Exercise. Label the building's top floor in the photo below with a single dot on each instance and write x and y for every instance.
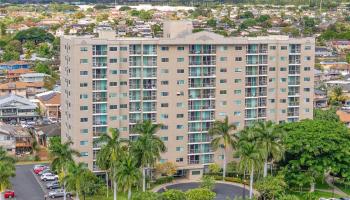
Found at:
(180, 33)
(12, 65)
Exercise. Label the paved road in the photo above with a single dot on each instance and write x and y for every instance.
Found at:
(222, 190)
(25, 185)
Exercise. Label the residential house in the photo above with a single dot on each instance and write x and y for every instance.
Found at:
(11, 65)
(13, 75)
(24, 89)
(344, 116)
(15, 139)
(32, 77)
(43, 133)
(14, 108)
(50, 103)
(320, 99)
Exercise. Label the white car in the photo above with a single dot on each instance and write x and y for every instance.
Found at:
(49, 177)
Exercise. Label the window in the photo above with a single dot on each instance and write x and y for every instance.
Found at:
(283, 80)
(179, 159)
(223, 48)
(164, 127)
(83, 119)
(283, 101)
(113, 84)
(238, 58)
(83, 96)
(113, 71)
(271, 89)
(83, 84)
(179, 126)
(283, 89)
(196, 172)
(237, 92)
(123, 48)
(307, 47)
(113, 107)
(223, 103)
(238, 80)
(165, 60)
(272, 69)
(84, 154)
(164, 94)
(83, 73)
(306, 79)
(164, 105)
(83, 107)
(306, 89)
(237, 113)
(180, 59)
(179, 138)
(113, 48)
(83, 49)
(307, 58)
(307, 100)
(222, 114)
(83, 61)
(164, 116)
(223, 70)
(272, 47)
(179, 105)
(238, 48)
(113, 60)
(283, 69)
(123, 71)
(238, 69)
(222, 59)
(179, 115)
(237, 102)
(84, 131)
(307, 110)
(123, 60)
(180, 82)
(113, 118)
(272, 100)
(223, 92)
(283, 58)
(164, 82)
(123, 106)
(180, 48)
(164, 71)
(180, 71)
(223, 81)
(164, 138)
(83, 143)
(284, 47)
(164, 48)
(179, 149)
(307, 68)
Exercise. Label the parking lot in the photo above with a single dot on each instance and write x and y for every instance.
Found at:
(27, 185)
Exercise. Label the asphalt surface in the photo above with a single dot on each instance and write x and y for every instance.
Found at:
(222, 190)
(25, 185)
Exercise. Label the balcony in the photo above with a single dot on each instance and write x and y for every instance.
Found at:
(99, 64)
(293, 82)
(200, 85)
(96, 122)
(99, 52)
(149, 86)
(135, 86)
(135, 52)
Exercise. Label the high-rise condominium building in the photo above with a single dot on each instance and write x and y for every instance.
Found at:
(184, 81)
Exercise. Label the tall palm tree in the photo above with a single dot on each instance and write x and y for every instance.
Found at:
(147, 147)
(109, 155)
(223, 136)
(62, 156)
(249, 153)
(7, 170)
(270, 139)
(128, 173)
(74, 177)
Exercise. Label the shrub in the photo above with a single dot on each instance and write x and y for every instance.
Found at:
(214, 168)
(208, 182)
(200, 194)
(271, 187)
(162, 180)
(173, 195)
(289, 197)
(145, 196)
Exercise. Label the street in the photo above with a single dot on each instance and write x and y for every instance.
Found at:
(25, 185)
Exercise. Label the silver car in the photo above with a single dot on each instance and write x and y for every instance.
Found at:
(58, 193)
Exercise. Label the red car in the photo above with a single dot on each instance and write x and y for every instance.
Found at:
(39, 169)
(9, 194)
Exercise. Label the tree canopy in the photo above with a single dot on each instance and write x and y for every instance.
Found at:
(35, 34)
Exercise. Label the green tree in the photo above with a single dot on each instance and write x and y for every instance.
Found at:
(128, 173)
(73, 178)
(223, 136)
(2, 29)
(248, 23)
(337, 96)
(7, 170)
(326, 115)
(211, 22)
(173, 195)
(249, 153)
(270, 140)
(44, 50)
(146, 196)
(110, 154)
(214, 168)
(62, 157)
(313, 148)
(271, 188)
(10, 55)
(200, 194)
(42, 67)
(147, 147)
(90, 184)
(208, 182)
(35, 34)
(246, 15)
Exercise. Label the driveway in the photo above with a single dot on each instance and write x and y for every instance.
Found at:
(25, 185)
(222, 190)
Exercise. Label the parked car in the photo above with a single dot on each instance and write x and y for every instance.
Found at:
(39, 169)
(53, 185)
(38, 166)
(58, 193)
(9, 194)
(45, 171)
(49, 177)
(345, 198)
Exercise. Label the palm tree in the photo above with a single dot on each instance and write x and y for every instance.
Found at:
(62, 156)
(110, 154)
(147, 147)
(7, 170)
(128, 173)
(222, 133)
(250, 155)
(270, 139)
(74, 176)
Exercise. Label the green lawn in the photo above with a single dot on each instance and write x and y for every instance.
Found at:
(343, 188)
(322, 185)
